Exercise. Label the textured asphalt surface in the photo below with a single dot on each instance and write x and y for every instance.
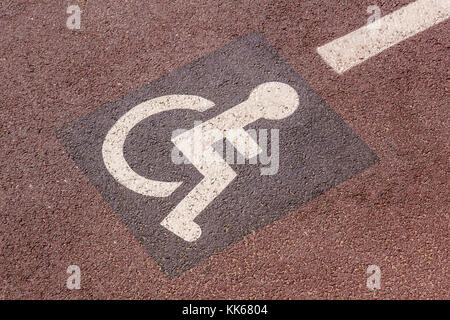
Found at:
(394, 214)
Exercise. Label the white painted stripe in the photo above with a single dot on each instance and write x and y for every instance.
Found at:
(354, 48)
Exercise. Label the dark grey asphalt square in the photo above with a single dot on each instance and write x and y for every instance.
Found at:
(317, 152)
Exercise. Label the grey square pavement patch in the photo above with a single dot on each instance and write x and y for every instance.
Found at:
(317, 151)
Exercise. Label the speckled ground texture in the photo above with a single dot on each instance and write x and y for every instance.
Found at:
(395, 214)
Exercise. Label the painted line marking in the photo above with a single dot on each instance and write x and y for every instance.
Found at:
(356, 47)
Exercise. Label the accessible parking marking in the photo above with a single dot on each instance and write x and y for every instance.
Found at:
(184, 212)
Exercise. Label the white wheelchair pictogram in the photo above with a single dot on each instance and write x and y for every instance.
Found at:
(270, 100)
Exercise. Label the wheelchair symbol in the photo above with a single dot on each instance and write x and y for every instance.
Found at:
(270, 100)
